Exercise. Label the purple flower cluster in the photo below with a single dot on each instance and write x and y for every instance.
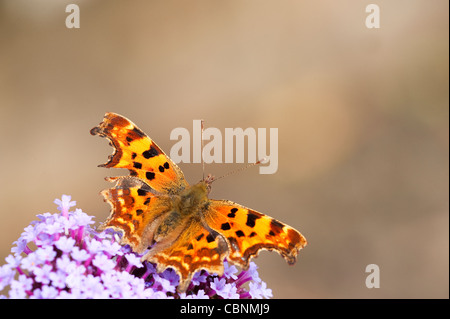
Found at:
(62, 256)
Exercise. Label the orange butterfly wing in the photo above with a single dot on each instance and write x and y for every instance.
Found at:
(133, 208)
(197, 247)
(134, 150)
(248, 232)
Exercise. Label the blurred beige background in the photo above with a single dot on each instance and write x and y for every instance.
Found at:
(362, 117)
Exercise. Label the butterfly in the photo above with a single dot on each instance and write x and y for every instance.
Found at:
(175, 224)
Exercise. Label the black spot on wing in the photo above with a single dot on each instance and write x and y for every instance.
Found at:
(210, 238)
(141, 192)
(152, 152)
(251, 219)
(138, 132)
(233, 212)
(240, 233)
(225, 226)
(139, 212)
(275, 227)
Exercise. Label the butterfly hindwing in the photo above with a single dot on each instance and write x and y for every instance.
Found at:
(134, 208)
(196, 248)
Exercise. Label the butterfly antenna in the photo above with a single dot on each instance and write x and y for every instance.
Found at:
(263, 160)
(203, 162)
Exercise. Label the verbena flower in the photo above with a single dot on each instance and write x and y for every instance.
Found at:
(62, 256)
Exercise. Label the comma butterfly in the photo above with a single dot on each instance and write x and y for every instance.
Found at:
(155, 209)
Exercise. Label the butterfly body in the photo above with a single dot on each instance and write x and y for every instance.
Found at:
(193, 199)
(175, 224)
(186, 207)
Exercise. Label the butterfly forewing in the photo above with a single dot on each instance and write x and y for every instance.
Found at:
(134, 150)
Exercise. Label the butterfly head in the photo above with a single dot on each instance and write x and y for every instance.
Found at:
(208, 180)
